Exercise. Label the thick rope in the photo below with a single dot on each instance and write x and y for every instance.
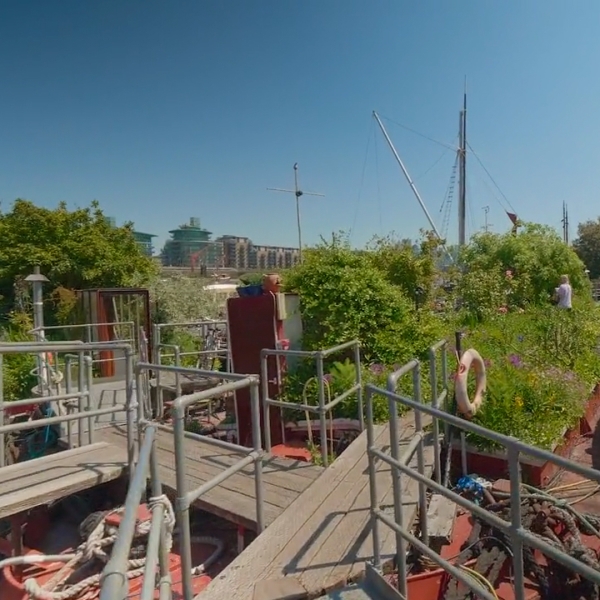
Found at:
(94, 547)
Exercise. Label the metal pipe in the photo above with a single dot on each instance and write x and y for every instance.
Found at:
(2, 408)
(114, 580)
(397, 494)
(60, 419)
(392, 380)
(283, 404)
(258, 457)
(203, 438)
(516, 542)
(89, 378)
(68, 389)
(182, 508)
(264, 383)
(459, 575)
(329, 351)
(322, 410)
(408, 451)
(505, 440)
(359, 392)
(152, 550)
(241, 381)
(434, 402)
(81, 387)
(163, 551)
(420, 455)
(187, 371)
(45, 399)
(372, 482)
(291, 353)
(130, 408)
(194, 494)
(342, 396)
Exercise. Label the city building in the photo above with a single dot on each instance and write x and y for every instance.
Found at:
(144, 240)
(241, 253)
(191, 246)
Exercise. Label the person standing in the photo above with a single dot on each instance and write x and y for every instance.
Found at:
(564, 293)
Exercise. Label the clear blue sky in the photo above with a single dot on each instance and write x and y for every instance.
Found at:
(165, 110)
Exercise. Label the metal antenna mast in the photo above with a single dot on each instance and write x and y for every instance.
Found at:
(462, 174)
(297, 192)
(486, 227)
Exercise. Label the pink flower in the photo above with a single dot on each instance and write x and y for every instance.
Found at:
(503, 310)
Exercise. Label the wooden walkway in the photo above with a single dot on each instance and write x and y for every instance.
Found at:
(35, 482)
(322, 541)
(283, 479)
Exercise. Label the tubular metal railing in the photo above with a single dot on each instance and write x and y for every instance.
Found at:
(112, 588)
(203, 328)
(83, 395)
(513, 529)
(323, 407)
(114, 584)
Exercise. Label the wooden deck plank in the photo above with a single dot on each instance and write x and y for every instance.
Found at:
(234, 499)
(42, 480)
(323, 539)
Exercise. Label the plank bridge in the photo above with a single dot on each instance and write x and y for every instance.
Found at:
(317, 519)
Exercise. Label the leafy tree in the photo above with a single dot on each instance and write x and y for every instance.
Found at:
(345, 295)
(587, 246)
(75, 249)
(535, 259)
(413, 271)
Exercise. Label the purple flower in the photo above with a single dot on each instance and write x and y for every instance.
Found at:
(376, 369)
(515, 360)
(487, 362)
(328, 378)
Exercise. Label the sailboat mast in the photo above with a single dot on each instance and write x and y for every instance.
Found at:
(462, 175)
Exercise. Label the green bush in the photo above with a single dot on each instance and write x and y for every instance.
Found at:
(18, 380)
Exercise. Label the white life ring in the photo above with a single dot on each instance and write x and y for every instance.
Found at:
(467, 407)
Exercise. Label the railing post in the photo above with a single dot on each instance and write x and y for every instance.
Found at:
(68, 390)
(182, 505)
(257, 443)
(397, 492)
(435, 422)
(81, 390)
(264, 382)
(131, 397)
(322, 412)
(372, 481)
(515, 516)
(359, 393)
(2, 435)
(420, 455)
(89, 376)
(177, 352)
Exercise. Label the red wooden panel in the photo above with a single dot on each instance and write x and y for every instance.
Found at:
(252, 327)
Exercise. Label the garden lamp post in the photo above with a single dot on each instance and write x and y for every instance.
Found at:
(37, 281)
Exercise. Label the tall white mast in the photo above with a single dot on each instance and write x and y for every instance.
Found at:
(462, 174)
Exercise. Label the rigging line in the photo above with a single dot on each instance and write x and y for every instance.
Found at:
(491, 178)
(492, 194)
(451, 181)
(433, 165)
(362, 178)
(444, 144)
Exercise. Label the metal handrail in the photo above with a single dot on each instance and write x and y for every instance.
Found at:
(114, 583)
(513, 528)
(323, 407)
(83, 394)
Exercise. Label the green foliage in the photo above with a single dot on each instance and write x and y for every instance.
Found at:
(541, 366)
(587, 246)
(75, 249)
(514, 271)
(18, 380)
(413, 272)
(346, 295)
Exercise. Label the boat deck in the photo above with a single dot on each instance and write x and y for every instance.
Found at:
(322, 541)
(35, 482)
(283, 479)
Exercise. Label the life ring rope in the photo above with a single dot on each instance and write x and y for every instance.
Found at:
(465, 405)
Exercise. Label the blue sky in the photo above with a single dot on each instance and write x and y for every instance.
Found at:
(166, 110)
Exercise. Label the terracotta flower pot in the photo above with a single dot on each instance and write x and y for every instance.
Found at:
(272, 283)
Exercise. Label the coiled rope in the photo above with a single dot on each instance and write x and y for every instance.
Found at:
(95, 547)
